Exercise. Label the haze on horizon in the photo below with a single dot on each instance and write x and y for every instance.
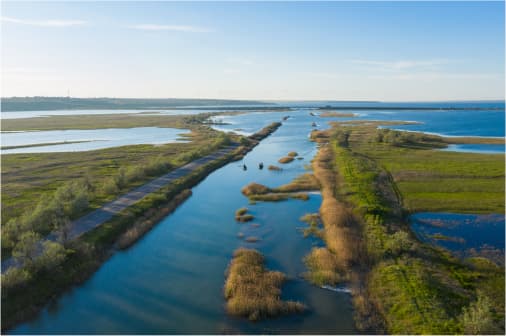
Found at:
(396, 51)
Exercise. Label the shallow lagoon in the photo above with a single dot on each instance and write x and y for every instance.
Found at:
(91, 139)
(464, 234)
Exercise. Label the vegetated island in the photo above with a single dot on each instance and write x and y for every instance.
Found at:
(60, 197)
(371, 180)
(254, 292)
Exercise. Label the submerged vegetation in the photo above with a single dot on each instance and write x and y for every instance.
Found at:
(254, 292)
(369, 180)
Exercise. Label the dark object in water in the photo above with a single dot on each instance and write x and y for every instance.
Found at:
(286, 118)
(314, 124)
(312, 114)
(244, 167)
(261, 166)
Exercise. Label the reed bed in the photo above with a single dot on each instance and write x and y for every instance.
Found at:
(285, 159)
(255, 189)
(254, 292)
(293, 154)
(323, 267)
(274, 168)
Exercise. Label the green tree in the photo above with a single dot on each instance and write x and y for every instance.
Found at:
(27, 248)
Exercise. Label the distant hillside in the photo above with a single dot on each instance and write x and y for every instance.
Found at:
(65, 103)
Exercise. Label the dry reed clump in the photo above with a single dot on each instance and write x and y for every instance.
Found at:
(254, 292)
(275, 168)
(285, 159)
(241, 211)
(255, 189)
(293, 154)
(323, 267)
(276, 197)
(319, 136)
(303, 182)
(144, 224)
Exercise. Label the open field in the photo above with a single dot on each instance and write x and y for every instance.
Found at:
(400, 284)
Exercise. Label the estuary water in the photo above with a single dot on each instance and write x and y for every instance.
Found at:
(172, 280)
(86, 140)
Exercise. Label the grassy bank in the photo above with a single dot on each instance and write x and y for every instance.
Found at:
(398, 283)
(26, 290)
(254, 292)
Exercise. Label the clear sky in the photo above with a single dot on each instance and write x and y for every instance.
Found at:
(389, 51)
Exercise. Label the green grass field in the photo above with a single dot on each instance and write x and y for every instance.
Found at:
(402, 285)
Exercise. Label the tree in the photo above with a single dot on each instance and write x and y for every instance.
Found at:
(27, 247)
(52, 255)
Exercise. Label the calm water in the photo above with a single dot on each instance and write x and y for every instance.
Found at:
(172, 280)
(93, 139)
(463, 234)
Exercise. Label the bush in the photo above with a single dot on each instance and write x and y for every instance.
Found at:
(15, 277)
(477, 318)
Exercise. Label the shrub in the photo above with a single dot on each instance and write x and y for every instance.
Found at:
(15, 277)
(477, 318)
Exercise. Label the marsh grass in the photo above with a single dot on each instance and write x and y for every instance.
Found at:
(292, 154)
(254, 292)
(244, 218)
(274, 168)
(277, 197)
(241, 211)
(314, 225)
(323, 267)
(258, 192)
(286, 159)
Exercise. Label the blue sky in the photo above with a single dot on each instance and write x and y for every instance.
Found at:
(389, 51)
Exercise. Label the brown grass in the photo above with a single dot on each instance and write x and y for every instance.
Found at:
(276, 197)
(285, 159)
(323, 267)
(275, 168)
(145, 223)
(254, 292)
(304, 182)
(241, 211)
(255, 189)
(293, 154)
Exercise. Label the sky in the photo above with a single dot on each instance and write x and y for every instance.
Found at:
(386, 51)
